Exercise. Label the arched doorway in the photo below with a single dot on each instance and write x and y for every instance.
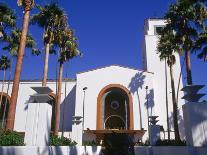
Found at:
(4, 108)
(115, 108)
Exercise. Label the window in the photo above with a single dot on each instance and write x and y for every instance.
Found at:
(158, 30)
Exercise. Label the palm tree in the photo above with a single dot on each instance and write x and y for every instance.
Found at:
(12, 41)
(166, 46)
(4, 65)
(27, 5)
(47, 16)
(7, 19)
(186, 18)
(68, 50)
(201, 46)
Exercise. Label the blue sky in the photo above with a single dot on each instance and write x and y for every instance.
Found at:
(109, 32)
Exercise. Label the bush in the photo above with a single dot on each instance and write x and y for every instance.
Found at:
(61, 141)
(170, 143)
(89, 143)
(11, 138)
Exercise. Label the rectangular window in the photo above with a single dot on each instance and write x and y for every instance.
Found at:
(158, 30)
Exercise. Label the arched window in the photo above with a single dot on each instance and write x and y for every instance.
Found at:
(4, 108)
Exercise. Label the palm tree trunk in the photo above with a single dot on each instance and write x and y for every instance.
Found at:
(188, 68)
(45, 70)
(2, 88)
(15, 88)
(166, 95)
(175, 117)
(58, 100)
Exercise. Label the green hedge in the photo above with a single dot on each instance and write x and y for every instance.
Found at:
(61, 141)
(11, 138)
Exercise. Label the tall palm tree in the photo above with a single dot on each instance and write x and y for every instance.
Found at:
(186, 18)
(27, 6)
(7, 19)
(46, 18)
(12, 41)
(68, 50)
(166, 46)
(4, 65)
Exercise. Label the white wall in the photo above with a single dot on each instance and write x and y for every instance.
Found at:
(50, 150)
(96, 80)
(152, 63)
(24, 95)
(169, 150)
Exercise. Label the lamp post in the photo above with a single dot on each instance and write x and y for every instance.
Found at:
(147, 111)
(84, 94)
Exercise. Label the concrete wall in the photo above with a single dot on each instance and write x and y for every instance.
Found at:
(152, 63)
(52, 150)
(96, 80)
(170, 150)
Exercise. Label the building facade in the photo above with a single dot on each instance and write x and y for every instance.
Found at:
(109, 99)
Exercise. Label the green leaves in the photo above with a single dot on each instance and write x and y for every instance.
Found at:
(27, 4)
(7, 19)
(5, 62)
(48, 18)
(11, 138)
(61, 141)
(68, 45)
(13, 40)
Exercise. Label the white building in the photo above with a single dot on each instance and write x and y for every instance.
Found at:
(110, 99)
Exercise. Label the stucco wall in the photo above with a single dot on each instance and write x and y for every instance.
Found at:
(50, 150)
(96, 80)
(152, 63)
(170, 150)
(24, 95)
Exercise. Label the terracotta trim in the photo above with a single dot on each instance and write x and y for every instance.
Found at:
(6, 95)
(99, 106)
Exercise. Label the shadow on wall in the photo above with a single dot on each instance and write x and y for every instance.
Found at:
(135, 84)
(149, 104)
(7, 150)
(180, 123)
(67, 108)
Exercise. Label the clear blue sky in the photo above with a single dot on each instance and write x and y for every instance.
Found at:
(109, 32)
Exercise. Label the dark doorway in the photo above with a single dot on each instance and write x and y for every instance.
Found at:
(118, 144)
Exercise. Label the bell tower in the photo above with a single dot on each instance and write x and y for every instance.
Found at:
(151, 62)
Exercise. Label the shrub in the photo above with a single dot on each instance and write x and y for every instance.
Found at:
(170, 143)
(61, 141)
(11, 138)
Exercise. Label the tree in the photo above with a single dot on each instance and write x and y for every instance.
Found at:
(201, 46)
(7, 19)
(12, 42)
(46, 18)
(4, 65)
(68, 50)
(27, 6)
(166, 46)
(186, 18)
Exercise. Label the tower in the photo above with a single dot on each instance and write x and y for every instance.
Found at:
(152, 63)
